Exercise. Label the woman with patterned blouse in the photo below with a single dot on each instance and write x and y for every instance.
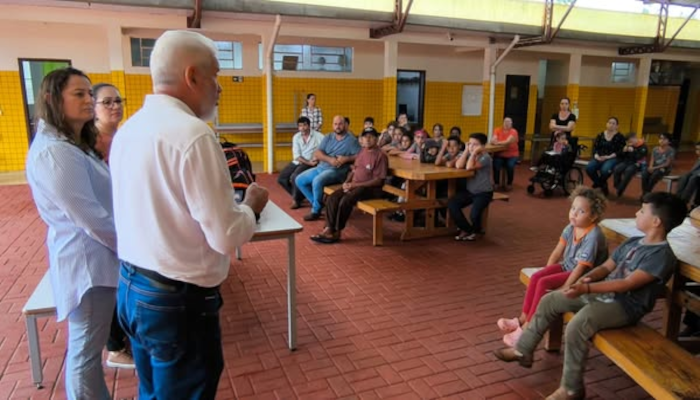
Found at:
(312, 112)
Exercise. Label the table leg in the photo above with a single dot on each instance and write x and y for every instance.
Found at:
(239, 253)
(34, 351)
(672, 316)
(408, 221)
(552, 339)
(431, 194)
(291, 293)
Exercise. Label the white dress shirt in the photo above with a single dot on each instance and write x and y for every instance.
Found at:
(173, 204)
(73, 194)
(300, 148)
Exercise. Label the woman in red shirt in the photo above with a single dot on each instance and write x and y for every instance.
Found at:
(505, 135)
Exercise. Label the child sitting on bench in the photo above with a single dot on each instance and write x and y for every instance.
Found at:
(581, 246)
(478, 191)
(364, 181)
(643, 265)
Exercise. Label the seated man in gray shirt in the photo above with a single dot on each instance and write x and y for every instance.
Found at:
(642, 266)
(335, 155)
(479, 190)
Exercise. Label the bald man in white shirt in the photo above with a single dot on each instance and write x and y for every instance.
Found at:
(177, 223)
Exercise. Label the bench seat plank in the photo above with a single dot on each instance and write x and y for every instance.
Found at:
(41, 301)
(328, 190)
(377, 208)
(661, 367)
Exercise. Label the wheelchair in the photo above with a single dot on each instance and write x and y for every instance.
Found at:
(558, 171)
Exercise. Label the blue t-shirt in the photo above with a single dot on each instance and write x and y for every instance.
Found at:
(347, 146)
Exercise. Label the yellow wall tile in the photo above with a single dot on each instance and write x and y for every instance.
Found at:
(14, 141)
(241, 102)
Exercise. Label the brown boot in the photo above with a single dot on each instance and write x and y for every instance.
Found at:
(562, 394)
(509, 355)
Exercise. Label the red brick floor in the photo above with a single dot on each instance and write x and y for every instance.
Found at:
(412, 320)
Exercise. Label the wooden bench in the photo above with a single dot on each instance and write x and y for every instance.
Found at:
(669, 179)
(377, 208)
(40, 304)
(328, 190)
(658, 365)
(497, 196)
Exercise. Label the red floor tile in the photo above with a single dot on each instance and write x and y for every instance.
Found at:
(407, 320)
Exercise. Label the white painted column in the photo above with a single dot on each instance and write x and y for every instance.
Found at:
(488, 88)
(574, 82)
(391, 61)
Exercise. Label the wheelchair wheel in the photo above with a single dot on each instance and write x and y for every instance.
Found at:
(531, 189)
(573, 178)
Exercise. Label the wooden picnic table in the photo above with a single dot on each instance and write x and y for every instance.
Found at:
(419, 175)
(685, 242)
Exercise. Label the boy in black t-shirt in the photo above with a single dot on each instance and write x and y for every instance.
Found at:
(641, 266)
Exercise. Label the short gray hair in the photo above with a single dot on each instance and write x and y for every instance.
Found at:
(174, 50)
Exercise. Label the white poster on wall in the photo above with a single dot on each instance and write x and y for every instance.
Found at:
(472, 96)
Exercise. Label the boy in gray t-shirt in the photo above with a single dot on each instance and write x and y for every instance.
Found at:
(479, 190)
(644, 265)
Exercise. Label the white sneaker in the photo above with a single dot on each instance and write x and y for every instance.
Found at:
(120, 359)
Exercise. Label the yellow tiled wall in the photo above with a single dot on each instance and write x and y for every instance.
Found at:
(596, 104)
(240, 102)
(137, 86)
(243, 102)
(443, 104)
(353, 98)
(14, 141)
(662, 101)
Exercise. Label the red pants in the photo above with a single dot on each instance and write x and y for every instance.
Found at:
(548, 278)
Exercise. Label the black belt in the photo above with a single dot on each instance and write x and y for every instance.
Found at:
(170, 283)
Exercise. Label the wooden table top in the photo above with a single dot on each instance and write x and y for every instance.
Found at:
(417, 171)
(684, 240)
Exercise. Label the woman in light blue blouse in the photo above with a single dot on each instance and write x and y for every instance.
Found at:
(72, 190)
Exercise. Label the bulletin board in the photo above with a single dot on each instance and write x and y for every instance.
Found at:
(472, 96)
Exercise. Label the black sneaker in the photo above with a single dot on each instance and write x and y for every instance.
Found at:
(312, 216)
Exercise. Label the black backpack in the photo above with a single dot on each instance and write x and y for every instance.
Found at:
(240, 168)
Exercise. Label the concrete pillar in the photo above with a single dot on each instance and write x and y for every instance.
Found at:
(490, 56)
(640, 95)
(115, 47)
(574, 81)
(268, 166)
(391, 56)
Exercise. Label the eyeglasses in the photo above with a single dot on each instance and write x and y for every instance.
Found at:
(108, 102)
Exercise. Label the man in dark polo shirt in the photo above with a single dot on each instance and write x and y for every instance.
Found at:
(364, 182)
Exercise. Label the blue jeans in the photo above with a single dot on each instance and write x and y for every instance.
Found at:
(174, 332)
(88, 329)
(599, 172)
(509, 163)
(312, 181)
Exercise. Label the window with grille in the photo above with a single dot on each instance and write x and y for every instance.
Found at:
(297, 57)
(622, 72)
(141, 49)
(229, 54)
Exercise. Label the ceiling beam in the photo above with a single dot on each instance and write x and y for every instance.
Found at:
(195, 21)
(548, 34)
(397, 25)
(660, 43)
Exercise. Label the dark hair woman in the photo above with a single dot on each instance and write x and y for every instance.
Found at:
(72, 190)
